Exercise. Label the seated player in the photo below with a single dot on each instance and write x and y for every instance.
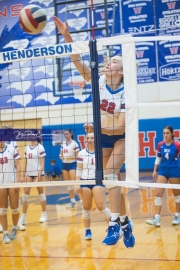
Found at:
(167, 160)
(34, 172)
(86, 171)
(9, 159)
(55, 171)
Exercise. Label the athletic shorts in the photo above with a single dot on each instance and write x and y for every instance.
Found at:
(33, 177)
(90, 186)
(69, 166)
(169, 172)
(109, 141)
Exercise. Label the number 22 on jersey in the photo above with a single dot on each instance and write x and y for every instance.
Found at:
(107, 106)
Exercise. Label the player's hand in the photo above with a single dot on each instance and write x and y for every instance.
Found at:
(88, 127)
(154, 175)
(78, 189)
(62, 27)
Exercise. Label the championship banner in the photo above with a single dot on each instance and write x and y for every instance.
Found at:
(168, 17)
(146, 59)
(169, 60)
(138, 17)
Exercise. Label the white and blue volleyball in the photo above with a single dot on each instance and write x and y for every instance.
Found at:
(32, 19)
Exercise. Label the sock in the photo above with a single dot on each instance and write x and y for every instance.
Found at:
(15, 227)
(122, 218)
(114, 216)
(5, 232)
(24, 215)
(157, 216)
(125, 222)
(44, 213)
(81, 201)
(177, 214)
(87, 229)
(73, 200)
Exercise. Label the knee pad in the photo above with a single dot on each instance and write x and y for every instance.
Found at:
(42, 197)
(111, 177)
(15, 211)
(25, 197)
(70, 188)
(106, 213)
(3, 211)
(158, 201)
(177, 199)
(86, 214)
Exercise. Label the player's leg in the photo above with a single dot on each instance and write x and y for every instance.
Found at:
(86, 195)
(42, 198)
(113, 166)
(99, 194)
(72, 174)
(25, 198)
(70, 188)
(176, 193)
(3, 214)
(156, 221)
(14, 203)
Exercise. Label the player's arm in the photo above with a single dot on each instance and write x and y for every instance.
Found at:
(41, 168)
(117, 130)
(157, 162)
(61, 154)
(83, 69)
(18, 170)
(79, 170)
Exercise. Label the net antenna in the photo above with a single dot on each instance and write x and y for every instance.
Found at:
(96, 102)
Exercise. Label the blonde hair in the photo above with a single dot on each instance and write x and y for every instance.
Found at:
(104, 63)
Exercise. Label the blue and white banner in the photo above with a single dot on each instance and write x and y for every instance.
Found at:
(169, 60)
(138, 17)
(146, 59)
(168, 17)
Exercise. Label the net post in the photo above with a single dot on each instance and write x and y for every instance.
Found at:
(96, 111)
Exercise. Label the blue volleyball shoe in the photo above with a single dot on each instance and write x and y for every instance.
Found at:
(114, 233)
(128, 237)
(88, 235)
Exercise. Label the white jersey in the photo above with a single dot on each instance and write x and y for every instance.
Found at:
(69, 150)
(88, 160)
(7, 165)
(12, 144)
(33, 155)
(111, 103)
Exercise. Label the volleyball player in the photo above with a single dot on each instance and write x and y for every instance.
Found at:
(68, 154)
(168, 151)
(86, 171)
(34, 172)
(113, 137)
(9, 160)
(12, 144)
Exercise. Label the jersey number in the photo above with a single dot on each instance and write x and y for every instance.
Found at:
(167, 155)
(92, 161)
(3, 160)
(108, 106)
(65, 150)
(30, 155)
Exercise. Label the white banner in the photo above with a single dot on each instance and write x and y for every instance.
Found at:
(47, 51)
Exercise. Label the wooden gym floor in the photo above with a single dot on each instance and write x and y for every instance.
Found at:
(59, 244)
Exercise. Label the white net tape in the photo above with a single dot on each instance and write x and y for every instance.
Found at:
(131, 93)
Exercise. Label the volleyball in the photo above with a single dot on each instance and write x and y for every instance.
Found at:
(32, 19)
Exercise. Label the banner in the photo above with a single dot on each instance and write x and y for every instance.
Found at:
(168, 17)
(138, 17)
(169, 60)
(146, 59)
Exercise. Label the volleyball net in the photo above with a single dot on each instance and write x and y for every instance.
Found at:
(45, 91)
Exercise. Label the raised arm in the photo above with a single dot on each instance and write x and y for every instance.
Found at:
(83, 69)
